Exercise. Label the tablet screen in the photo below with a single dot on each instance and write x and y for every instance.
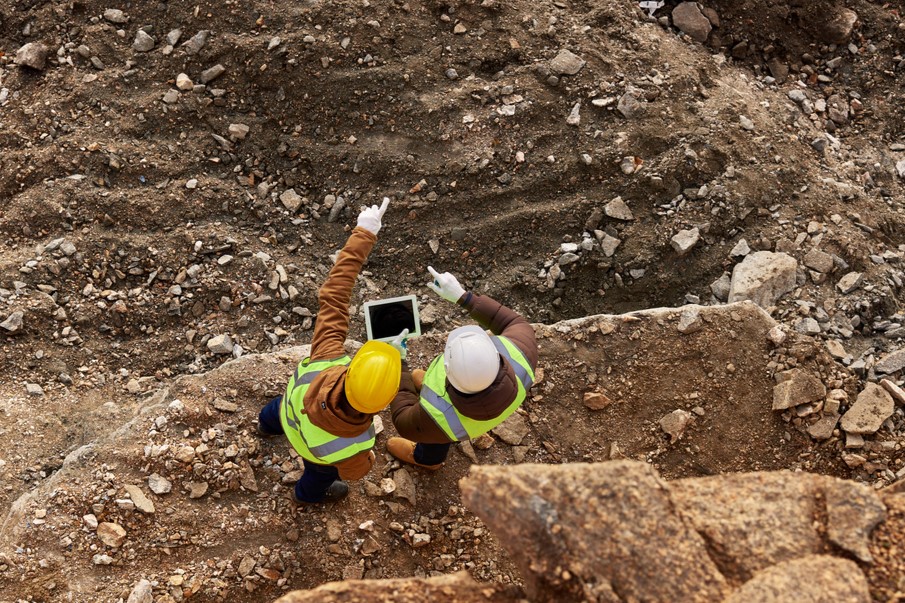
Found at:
(385, 319)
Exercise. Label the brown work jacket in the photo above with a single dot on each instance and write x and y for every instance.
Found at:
(325, 401)
(415, 423)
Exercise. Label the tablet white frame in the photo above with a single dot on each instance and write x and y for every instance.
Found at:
(381, 302)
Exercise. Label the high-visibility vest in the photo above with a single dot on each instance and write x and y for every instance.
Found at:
(309, 440)
(436, 401)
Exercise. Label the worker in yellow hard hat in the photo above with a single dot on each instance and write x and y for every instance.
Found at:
(328, 408)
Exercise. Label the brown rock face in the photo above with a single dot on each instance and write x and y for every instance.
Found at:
(616, 532)
(813, 579)
(457, 587)
(853, 511)
(588, 532)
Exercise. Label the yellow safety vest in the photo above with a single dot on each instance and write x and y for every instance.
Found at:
(436, 402)
(309, 440)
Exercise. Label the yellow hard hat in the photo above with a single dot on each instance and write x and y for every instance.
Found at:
(372, 378)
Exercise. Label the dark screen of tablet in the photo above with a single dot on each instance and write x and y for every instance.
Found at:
(388, 320)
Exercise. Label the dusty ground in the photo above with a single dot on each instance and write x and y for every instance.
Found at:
(174, 231)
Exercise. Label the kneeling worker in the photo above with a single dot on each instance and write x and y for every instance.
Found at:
(328, 408)
(474, 386)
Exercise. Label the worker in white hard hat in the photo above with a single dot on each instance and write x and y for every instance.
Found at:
(477, 383)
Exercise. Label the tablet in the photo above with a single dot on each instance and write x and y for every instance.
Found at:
(386, 318)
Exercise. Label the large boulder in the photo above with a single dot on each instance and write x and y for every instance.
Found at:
(587, 532)
(763, 277)
(756, 520)
(615, 531)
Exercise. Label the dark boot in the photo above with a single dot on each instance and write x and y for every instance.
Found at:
(337, 491)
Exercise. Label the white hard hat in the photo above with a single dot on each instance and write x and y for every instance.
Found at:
(471, 360)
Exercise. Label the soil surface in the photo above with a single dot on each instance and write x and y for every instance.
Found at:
(150, 203)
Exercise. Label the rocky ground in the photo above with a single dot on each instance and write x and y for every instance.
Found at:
(176, 176)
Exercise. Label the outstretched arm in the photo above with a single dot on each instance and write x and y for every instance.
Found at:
(488, 312)
(336, 292)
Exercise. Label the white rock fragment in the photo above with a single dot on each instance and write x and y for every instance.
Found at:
(184, 83)
(849, 282)
(33, 55)
(116, 16)
(209, 75)
(685, 240)
(220, 344)
(141, 502)
(159, 485)
(142, 593)
(291, 200)
(688, 17)
(690, 320)
(566, 63)
(777, 335)
(618, 210)
(763, 277)
(873, 406)
(143, 42)
(674, 424)
(238, 131)
(13, 323)
(609, 244)
(574, 117)
(629, 106)
(740, 250)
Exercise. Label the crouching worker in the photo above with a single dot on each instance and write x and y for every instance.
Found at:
(328, 408)
(474, 386)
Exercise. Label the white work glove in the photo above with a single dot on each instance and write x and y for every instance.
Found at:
(370, 217)
(446, 286)
(400, 344)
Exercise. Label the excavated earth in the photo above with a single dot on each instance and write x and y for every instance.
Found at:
(153, 202)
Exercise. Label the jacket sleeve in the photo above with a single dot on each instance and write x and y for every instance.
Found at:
(335, 294)
(355, 467)
(410, 419)
(493, 315)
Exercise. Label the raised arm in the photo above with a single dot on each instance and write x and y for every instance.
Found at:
(335, 294)
(488, 312)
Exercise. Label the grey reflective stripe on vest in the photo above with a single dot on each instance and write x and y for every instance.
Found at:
(291, 418)
(449, 413)
(519, 370)
(305, 379)
(337, 445)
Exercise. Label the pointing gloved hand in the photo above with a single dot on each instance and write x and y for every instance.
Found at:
(446, 286)
(370, 217)
(399, 342)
